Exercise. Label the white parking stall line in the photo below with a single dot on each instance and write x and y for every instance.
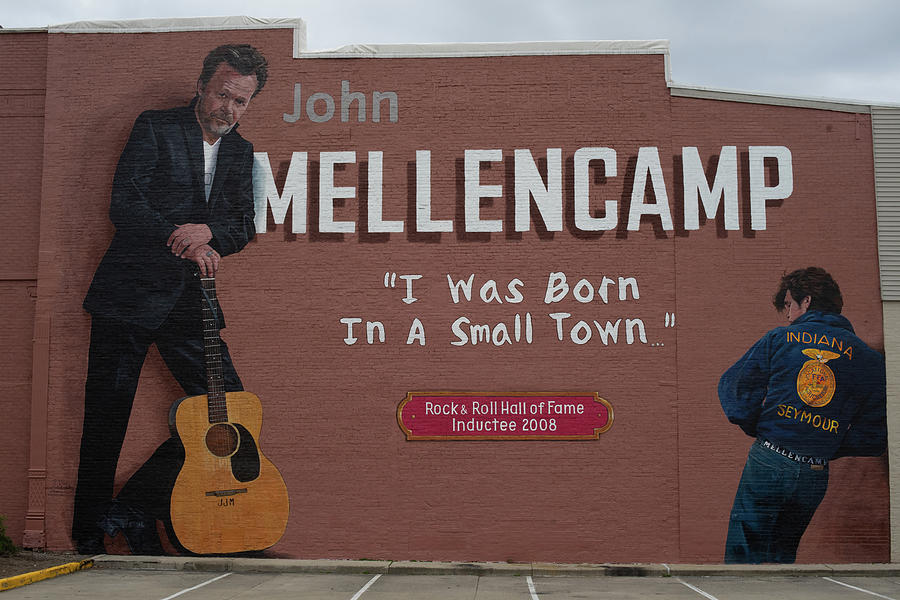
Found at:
(531, 589)
(696, 589)
(191, 589)
(365, 587)
(858, 589)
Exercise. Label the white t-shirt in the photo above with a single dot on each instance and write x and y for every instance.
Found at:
(210, 154)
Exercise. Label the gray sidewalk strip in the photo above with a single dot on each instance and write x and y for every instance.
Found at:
(537, 569)
(707, 570)
(458, 568)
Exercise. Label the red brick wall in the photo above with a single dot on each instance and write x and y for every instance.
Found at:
(724, 289)
(658, 485)
(23, 71)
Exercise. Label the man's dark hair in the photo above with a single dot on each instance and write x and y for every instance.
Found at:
(815, 282)
(243, 58)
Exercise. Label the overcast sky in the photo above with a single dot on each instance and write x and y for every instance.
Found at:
(841, 49)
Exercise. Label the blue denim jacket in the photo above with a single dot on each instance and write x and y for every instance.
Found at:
(812, 387)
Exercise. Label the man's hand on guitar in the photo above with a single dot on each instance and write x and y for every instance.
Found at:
(206, 259)
(187, 237)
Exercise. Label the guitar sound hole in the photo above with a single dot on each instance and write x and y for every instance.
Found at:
(222, 439)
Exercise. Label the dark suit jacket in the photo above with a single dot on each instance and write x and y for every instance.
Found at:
(158, 184)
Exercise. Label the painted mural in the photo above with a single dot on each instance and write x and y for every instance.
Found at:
(479, 305)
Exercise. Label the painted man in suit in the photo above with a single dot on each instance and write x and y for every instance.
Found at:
(182, 198)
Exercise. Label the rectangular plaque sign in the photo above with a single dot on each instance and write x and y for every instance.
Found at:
(503, 416)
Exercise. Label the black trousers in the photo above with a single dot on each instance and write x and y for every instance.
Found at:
(116, 356)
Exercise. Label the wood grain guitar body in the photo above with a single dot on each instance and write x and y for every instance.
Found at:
(228, 496)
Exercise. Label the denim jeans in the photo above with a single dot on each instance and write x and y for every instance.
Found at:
(774, 503)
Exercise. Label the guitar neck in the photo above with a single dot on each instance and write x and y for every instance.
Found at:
(215, 381)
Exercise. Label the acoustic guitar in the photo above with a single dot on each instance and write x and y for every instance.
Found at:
(228, 497)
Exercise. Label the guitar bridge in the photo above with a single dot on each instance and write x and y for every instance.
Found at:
(227, 492)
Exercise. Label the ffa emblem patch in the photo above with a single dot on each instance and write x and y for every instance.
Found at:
(815, 382)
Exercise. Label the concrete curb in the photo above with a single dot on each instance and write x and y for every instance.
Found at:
(15, 581)
(384, 567)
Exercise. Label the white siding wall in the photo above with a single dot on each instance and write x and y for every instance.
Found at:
(886, 134)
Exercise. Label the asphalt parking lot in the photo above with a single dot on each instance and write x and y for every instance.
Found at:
(150, 579)
(167, 585)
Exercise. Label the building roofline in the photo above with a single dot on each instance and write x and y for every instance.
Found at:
(179, 24)
(821, 103)
(452, 50)
(490, 49)
(477, 49)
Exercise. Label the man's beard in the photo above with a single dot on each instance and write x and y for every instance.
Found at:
(219, 127)
(212, 123)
